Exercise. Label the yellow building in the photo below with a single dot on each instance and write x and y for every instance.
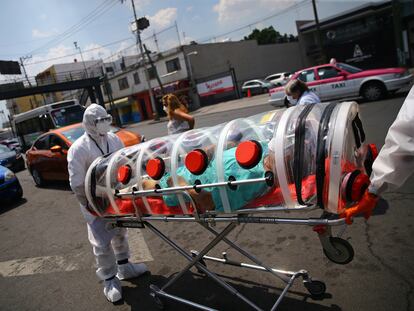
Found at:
(23, 104)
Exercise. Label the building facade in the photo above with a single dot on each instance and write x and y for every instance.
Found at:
(369, 36)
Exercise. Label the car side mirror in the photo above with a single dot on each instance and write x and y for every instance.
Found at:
(343, 74)
(56, 149)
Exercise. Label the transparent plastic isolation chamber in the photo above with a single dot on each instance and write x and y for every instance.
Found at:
(304, 156)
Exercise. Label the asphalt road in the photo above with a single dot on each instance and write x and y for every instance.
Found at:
(46, 262)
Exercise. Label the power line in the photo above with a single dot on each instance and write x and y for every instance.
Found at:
(294, 6)
(101, 9)
(105, 45)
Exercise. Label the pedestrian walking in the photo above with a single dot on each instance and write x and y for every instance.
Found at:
(179, 118)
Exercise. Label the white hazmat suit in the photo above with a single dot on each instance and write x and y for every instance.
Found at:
(109, 245)
(395, 162)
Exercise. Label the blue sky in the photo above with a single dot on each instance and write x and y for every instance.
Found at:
(35, 27)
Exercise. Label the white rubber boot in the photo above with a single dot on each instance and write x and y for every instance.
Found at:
(113, 290)
(131, 270)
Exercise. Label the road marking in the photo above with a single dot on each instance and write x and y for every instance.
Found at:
(36, 265)
(138, 247)
(49, 264)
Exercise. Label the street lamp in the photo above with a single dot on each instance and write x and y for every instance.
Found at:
(80, 51)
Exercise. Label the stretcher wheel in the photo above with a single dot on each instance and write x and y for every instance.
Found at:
(344, 251)
(315, 287)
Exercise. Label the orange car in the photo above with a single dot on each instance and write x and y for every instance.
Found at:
(46, 159)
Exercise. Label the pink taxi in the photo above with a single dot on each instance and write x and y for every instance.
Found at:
(342, 80)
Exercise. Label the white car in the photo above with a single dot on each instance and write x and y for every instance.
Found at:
(341, 81)
(278, 79)
(256, 86)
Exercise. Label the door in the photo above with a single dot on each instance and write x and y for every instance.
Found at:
(39, 155)
(334, 84)
(58, 160)
(309, 77)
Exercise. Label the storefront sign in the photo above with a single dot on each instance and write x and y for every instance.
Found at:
(215, 86)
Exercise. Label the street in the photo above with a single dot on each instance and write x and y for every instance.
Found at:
(46, 261)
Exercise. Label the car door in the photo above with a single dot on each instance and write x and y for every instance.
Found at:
(310, 78)
(334, 83)
(58, 160)
(38, 156)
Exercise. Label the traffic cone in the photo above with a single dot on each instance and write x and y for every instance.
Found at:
(249, 93)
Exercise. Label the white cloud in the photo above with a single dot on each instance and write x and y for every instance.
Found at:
(230, 10)
(36, 33)
(163, 18)
(189, 8)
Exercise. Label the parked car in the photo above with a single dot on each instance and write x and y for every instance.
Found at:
(12, 144)
(278, 79)
(256, 86)
(10, 188)
(11, 159)
(47, 157)
(340, 80)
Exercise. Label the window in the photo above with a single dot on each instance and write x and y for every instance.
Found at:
(56, 141)
(173, 65)
(42, 143)
(123, 83)
(67, 116)
(109, 69)
(327, 72)
(107, 88)
(152, 73)
(307, 76)
(348, 68)
(136, 78)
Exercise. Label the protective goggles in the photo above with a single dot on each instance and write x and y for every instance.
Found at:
(107, 119)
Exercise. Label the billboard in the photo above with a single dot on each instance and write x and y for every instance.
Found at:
(9, 67)
(216, 86)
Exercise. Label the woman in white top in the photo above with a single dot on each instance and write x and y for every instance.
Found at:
(180, 120)
(298, 93)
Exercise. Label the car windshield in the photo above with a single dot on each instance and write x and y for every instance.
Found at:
(68, 115)
(4, 149)
(348, 68)
(74, 133)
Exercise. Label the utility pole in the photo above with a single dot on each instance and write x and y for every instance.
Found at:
(145, 24)
(83, 62)
(318, 31)
(22, 59)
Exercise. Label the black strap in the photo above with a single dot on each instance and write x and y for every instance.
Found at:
(358, 130)
(300, 132)
(321, 152)
(100, 149)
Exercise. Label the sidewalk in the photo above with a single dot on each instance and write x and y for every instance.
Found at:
(217, 108)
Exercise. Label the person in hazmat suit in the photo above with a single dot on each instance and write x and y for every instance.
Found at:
(110, 246)
(395, 162)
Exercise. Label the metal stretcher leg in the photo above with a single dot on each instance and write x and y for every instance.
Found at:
(288, 276)
(194, 261)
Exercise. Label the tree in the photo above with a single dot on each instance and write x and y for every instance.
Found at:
(269, 36)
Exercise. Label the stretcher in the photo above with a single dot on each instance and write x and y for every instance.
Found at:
(301, 159)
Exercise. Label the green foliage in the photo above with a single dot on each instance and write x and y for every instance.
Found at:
(269, 36)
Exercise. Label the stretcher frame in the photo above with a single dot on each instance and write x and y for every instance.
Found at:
(208, 221)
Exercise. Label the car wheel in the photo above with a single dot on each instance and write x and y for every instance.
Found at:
(19, 194)
(373, 91)
(37, 178)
